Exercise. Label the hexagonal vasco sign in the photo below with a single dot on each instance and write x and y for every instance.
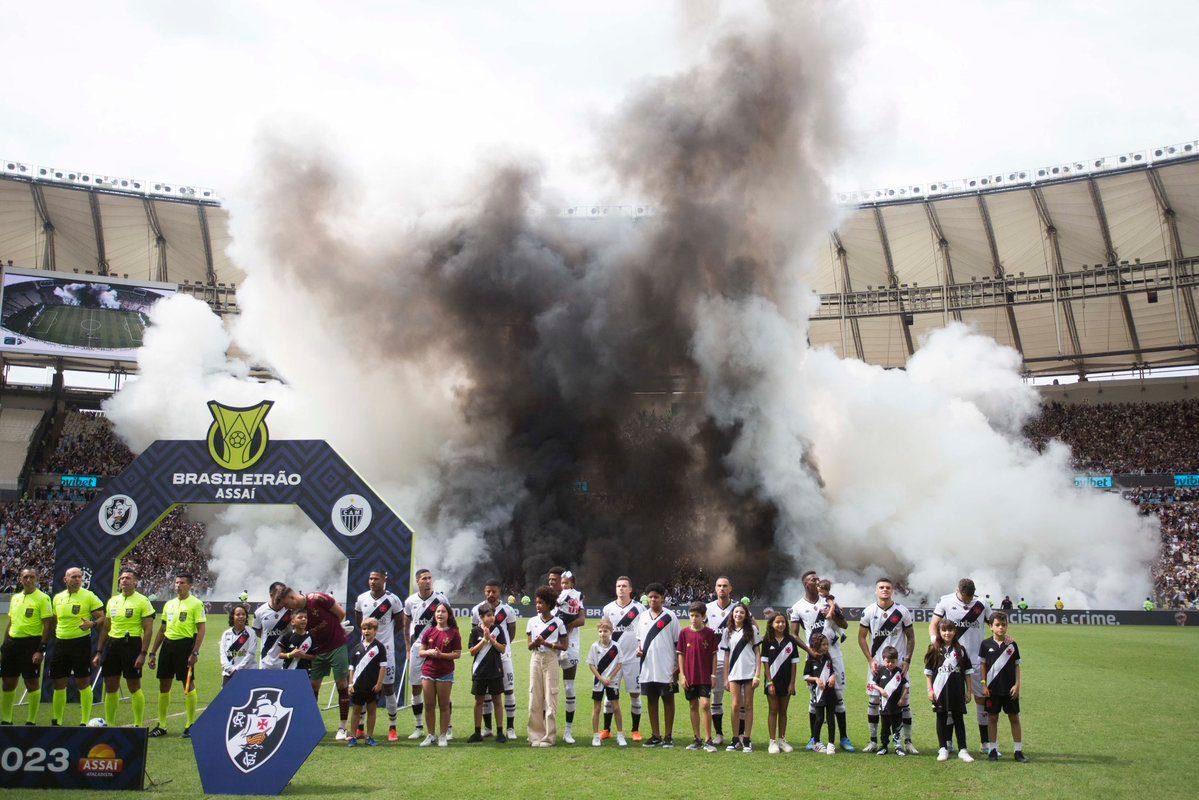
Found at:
(257, 733)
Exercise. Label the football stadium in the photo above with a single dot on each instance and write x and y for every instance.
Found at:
(736, 476)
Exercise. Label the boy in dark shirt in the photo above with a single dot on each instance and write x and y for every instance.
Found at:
(367, 662)
(999, 659)
(889, 680)
(696, 649)
(487, 671)
(295, 646)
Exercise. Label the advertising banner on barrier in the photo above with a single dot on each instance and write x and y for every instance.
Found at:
(91, 759)
(257, 733)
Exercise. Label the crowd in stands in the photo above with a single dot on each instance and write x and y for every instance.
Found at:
(88, 445)
(28, 529)
(1176, 575)
(1124, 438)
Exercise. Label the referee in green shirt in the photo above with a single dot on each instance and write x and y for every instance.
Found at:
(30, 620)
(183, 624)
(76, 612)
(129, 624)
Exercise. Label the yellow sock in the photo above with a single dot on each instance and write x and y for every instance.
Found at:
(164, 703)
(139, 708)
(58, 705)
(189, 701)
(111, 699)
(35, 704)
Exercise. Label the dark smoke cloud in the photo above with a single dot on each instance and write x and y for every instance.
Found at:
(559, 326)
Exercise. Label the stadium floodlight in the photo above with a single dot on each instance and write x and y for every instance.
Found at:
(16, 168)
(1172, 151)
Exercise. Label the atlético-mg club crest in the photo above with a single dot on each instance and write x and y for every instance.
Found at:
(257, 728)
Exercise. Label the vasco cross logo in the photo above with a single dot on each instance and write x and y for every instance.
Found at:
(256, 729)
(238, 437)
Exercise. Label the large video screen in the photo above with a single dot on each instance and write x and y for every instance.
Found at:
(57, 314)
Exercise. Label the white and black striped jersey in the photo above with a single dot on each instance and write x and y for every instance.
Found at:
(970, 618)
(813, 618)
(821, 667)
(383, 609)
(505, 615)
(420, 612)
(1000, 659)
(570, 608)
(887, 627)
(781, 657)
(740, 653)
(270, 624)
(239, 650)
(365, 662)
(296, 641)
(552, 630)
(625, 621)
(605, 658)
(718, 619)
(657, 637)
(891, 686)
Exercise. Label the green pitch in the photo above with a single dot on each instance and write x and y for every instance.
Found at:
(1107, 712)
(97, 328)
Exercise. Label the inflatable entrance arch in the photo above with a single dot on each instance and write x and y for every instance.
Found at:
(238, 464)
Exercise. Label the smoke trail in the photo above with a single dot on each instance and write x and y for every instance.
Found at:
(486, 363)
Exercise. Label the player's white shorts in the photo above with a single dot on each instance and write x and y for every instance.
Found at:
(722, 676)
(838, 659)
(976, 683)
(509, 673)
(389, 671)
(415, 662)
(569, 657)
(630, 675)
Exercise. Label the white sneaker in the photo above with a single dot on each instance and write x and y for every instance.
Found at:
(341, 735)
(718, 740)
(785, 746)
(443, 741)
(964, 755)
(596, 741)
(429, 741)
(567, 736)
(942, 754)
(487, 732)
(419, 733)
(828, 751)
(449, 733)
(910, 748)
(774, 747)
(871, 747)
(510, 733)
(621, 741)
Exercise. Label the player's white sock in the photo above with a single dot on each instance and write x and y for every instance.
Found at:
(392, 707)
(1018, 746)
(570, 697)
(509, 708)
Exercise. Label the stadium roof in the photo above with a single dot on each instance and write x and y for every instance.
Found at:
(68, 220)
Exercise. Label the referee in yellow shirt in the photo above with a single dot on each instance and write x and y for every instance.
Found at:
(76, 612)
(128, 627)
(183, 624)
(30, 620)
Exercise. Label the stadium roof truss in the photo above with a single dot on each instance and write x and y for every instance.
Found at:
(68, 221)
(1081, 268)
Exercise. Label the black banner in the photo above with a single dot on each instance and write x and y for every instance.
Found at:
(33, 757)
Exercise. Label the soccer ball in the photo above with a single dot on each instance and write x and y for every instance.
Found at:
(97, 722)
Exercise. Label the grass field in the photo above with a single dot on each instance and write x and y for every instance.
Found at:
(98, 328)
(1108, 713)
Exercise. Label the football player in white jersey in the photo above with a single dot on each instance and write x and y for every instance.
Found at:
(505, 629)
(272, 619)
(625, 614)
(570, 609)
(720, 611)
(416, 619)
(815, 614)
(886, 623)
(382, 606)
(657, 638)
(970, 615)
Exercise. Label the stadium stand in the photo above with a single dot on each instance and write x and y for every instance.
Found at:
(18, 429)
(1124, 438)
(88, 445)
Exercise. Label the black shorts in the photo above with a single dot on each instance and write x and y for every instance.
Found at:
(120, 659)
(172, 659)
(71, 657)
(1003, 703)
(781, 688)
(361, 697)
(655, 690)
(697, 690)
(598, 691)
(493, 686)
(16, 657)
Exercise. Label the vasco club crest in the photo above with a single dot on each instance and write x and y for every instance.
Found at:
(238, 437)
(256, 729)
(118, 514)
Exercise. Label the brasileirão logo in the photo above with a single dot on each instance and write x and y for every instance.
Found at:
(238, 437)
